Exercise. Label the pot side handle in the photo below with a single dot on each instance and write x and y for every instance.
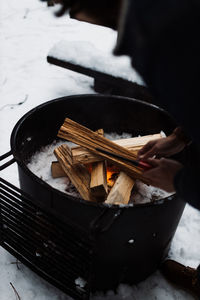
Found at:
(8, 163)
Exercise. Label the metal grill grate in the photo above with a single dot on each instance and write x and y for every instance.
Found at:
(59, 252)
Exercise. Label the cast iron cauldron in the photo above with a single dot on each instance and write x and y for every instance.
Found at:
(129, 242)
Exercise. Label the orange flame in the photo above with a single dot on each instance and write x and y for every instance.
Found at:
(112, 172)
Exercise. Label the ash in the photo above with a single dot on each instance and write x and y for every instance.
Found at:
(40, 165)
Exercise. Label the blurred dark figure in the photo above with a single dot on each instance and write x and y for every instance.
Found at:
(105, 13)
(162, 39)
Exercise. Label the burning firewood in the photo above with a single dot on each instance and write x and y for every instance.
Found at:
(78, 174)
(98, 183)
(87, 138)
(121, 191)
(98, 167)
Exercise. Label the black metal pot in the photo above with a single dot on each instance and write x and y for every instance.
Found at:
(103, 245)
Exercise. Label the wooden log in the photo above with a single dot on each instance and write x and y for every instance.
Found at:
(121, 191)
(83, 136)
(57, 170)
(78, 174)
(84, 156)
(98, 183)
(135, 143)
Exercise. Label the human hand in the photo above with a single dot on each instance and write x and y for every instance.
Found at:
(163, 173)
(163, 147)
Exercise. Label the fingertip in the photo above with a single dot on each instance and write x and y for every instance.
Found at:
(140, 157)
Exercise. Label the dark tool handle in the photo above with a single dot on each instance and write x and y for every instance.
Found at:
(137, 163)
(8, 163)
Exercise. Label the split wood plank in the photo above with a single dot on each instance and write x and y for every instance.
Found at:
(121, 190)
(78, 174)
(84, 156)
(57, 170)
(83, 136)
(98, 183)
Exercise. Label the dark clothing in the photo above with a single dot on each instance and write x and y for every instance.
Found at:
(163, 40)
(198, 273)
(187, 179)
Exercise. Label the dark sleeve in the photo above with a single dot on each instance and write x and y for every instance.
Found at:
(162, 39)
(187, 186)
(187, 180)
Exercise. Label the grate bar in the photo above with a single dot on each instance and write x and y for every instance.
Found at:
(56, 275)
(46, 276)
(31, 239)
(33, 221)
(58, 251)
(23, 213)
(43, 262)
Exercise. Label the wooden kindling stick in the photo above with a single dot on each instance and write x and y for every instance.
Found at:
(78, 174)
(121, 190)
(98, 183)
(81, 135)
(85, 156)
(56, 170)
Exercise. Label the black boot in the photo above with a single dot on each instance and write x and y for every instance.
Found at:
(184, 277)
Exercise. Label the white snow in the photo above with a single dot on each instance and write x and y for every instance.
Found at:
(92, 57)
(80, 282)
(28, 31)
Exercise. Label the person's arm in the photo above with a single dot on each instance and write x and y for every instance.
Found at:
(171, 175)
(186, 183)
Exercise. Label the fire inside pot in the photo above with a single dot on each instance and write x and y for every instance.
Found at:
(85, 173)
(112, 174)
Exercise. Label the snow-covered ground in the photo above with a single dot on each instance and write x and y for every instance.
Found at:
(28, 30)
